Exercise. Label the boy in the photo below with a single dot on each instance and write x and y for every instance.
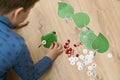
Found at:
(13, 50)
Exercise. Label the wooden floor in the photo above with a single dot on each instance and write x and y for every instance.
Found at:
(105, 18)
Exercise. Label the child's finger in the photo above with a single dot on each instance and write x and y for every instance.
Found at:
(55, 45)
(51, 47)
(61, 51)
(60, 46)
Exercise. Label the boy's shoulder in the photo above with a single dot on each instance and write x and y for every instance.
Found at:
(11, 41)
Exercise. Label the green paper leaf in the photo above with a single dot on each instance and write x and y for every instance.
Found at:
(81, 19)
(49, 38)
(87, 37)
(100, 44)
(65, 10)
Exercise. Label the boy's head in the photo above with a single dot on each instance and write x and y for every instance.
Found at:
(16, 10)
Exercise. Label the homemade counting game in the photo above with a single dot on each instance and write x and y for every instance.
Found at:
(92, 43)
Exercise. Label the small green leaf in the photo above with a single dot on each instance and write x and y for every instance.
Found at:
(87, 37)
(65, 10)
(100, 44)
(49, 38)
(81, 19)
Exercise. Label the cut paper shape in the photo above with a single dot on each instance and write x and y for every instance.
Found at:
(49, 38)
(109, 55)
(89, 73)
(85, 51)
(87, 37)
(43, 42)
(81, 19)
(65, 10)
(100, 44)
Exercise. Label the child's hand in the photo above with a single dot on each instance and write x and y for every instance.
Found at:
(55, 50)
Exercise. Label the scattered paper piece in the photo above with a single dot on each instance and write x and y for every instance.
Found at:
(109, 55)
(85, 51)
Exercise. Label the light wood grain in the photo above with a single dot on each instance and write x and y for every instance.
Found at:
(105, 18)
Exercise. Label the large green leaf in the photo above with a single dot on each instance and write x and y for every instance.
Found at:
(87, 37)
(49, 38)
(65, 10)
(100, 44)
(81, 19)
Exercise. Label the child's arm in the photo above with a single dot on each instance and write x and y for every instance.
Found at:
(27, 70)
